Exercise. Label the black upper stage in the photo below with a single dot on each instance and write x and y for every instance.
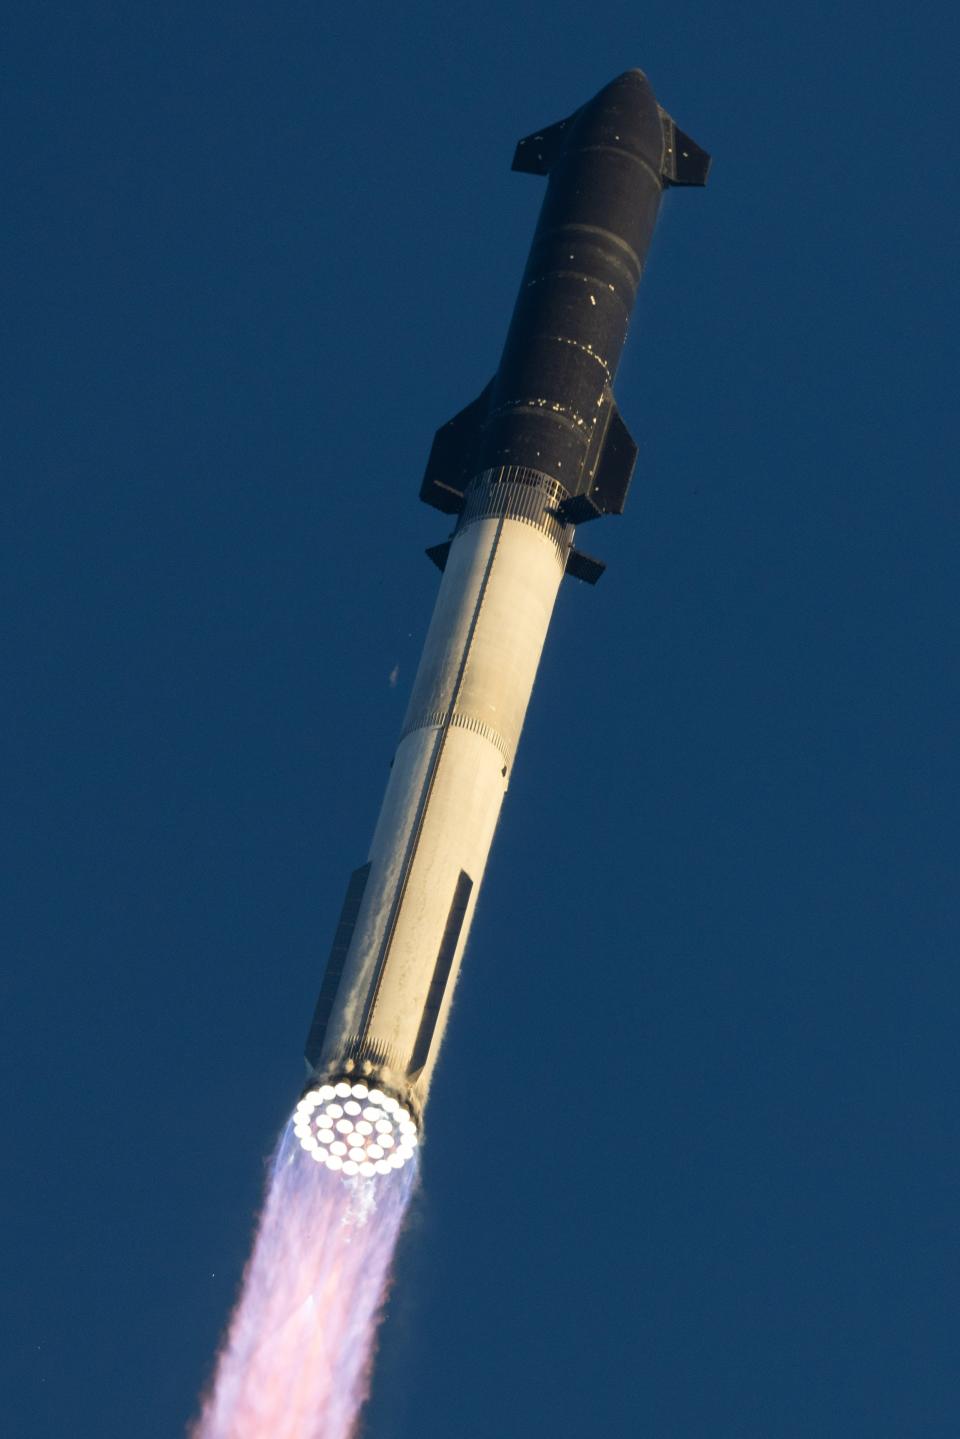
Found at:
(550, 407)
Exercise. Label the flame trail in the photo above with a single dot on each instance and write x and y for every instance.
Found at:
(297, 1357)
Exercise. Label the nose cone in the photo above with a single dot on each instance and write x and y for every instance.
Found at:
(623, 116)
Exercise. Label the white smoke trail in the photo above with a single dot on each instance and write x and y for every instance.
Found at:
(297, 1357)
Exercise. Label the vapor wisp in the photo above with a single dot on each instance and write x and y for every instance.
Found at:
(296, 1360)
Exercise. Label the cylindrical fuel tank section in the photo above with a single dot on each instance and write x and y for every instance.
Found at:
(387, 993)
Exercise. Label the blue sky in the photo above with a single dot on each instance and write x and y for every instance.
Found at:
(692, 1158)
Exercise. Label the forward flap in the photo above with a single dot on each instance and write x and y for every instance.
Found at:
(536, 153)
(684, 162)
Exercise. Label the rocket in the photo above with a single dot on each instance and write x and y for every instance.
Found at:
(540, 452)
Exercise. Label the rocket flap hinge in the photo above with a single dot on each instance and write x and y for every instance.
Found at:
(536, 153)
(684, 163)
(438, 554)
(584, 567)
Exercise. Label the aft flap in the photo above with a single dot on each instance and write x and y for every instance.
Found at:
(536, 153)
(614, 471)
(448, 468)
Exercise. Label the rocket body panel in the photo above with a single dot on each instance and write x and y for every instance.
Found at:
(543, 448)
(486, 636)
(455, 839)
(443, 800)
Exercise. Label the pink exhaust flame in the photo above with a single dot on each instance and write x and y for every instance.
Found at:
(297, 1357)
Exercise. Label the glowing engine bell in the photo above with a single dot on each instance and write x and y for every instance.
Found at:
(355, 1129)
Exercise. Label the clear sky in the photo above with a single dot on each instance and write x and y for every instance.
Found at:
(692, 1163)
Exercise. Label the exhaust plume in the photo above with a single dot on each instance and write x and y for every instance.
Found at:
(297, 1356)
